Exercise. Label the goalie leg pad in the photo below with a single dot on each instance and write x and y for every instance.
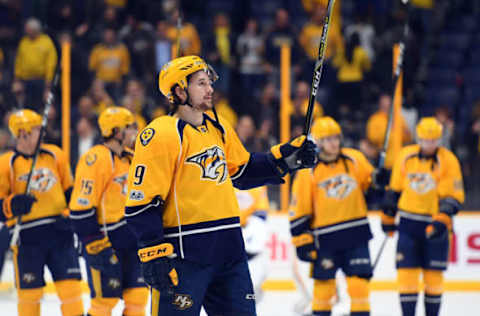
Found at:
(135, 301)
(70, 294)
(29, 301)
(323, 296)
(359, 291)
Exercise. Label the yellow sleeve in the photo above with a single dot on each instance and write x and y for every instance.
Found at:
(397, 176)
(52, 59)
(153, 166)
(91, 177)
(125, 67)
(301, 202)
(365, 169)
(451, 183)
(63, 165)
(19, 71)
(236, 153)
(93, 60)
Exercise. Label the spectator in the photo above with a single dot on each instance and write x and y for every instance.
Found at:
(310, 5)
(100, 96)
(144, 105)
(110, 61)
(352, 64)
(19, 95)
(366, 33)
(300, 102)
(282, 32)
(139, 36)
(109, 20)
(35, 62)
(220, 50)
(223, 107)
(442, 114)
(162, 45)
(85, 108)
(53, 132)
(266, 109)
(86, 136)
(377, 125)
(250, 50)
(246, 132)
(189, 40)
(129, 103)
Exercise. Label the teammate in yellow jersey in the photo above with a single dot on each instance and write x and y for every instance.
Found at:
(181, 204)
(426, 188)
(328, 219)
(46, 237)
(254, 206)
(97, 210)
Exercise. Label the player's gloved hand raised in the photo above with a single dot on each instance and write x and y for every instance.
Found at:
(157, 266)
(18, 204)
(299, 153)
(389, 203)
(101, 256)
(305, 247)
(439, 228)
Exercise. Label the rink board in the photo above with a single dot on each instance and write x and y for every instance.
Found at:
(463, 273)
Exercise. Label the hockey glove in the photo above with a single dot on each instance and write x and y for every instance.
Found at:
(380, 178)
(299, 153)
(17, 205)
(388, 224)
(389, 204)
(157, 267)
(439, 228)
(305, 247)
(101, 256)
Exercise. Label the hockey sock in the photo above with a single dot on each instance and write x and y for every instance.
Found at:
(323, 294)
(70, 294)
(408, 287)
(359, 292)
(135, 301)
(101, 306)
(433, 291)
(29, 301)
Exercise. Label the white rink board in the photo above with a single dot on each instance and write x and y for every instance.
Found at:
(464, 262)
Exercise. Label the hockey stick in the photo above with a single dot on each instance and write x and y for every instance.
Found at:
(46, 111)
(177, 42)
(379, 254)
(317, 73)
(396, 77)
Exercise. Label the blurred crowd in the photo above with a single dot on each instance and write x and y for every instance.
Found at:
(119, 47)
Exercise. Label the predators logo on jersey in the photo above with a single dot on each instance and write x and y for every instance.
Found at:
(146, 136)
(122, 181)
(338, 187)
(213, 164)
(43, 180)
(421, 182)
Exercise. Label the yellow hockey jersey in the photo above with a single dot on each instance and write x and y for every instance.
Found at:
(101, 183)
(51, 178)
(189, 168)
(330, 201)
(251, 201)
(110, 63)
(423, 182)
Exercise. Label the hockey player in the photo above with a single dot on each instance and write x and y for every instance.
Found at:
(328, 220)
(97, 209)
(426, 188)
(181, 204)
(46, 238)
(254, 206)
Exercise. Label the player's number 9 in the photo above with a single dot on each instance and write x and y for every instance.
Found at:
(139, 173)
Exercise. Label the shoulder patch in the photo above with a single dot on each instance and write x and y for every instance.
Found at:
(90, 159)
(146, 136)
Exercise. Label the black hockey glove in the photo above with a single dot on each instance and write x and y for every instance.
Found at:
(389, 204)
(305, 247)
(157, 266)
(17, 205)
(101, 256)
(439, 228)
(380, 178)
(299, 153)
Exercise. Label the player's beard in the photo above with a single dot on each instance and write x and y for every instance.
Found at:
(204, 106)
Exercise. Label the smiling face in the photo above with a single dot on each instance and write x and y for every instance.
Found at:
(200, 91)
